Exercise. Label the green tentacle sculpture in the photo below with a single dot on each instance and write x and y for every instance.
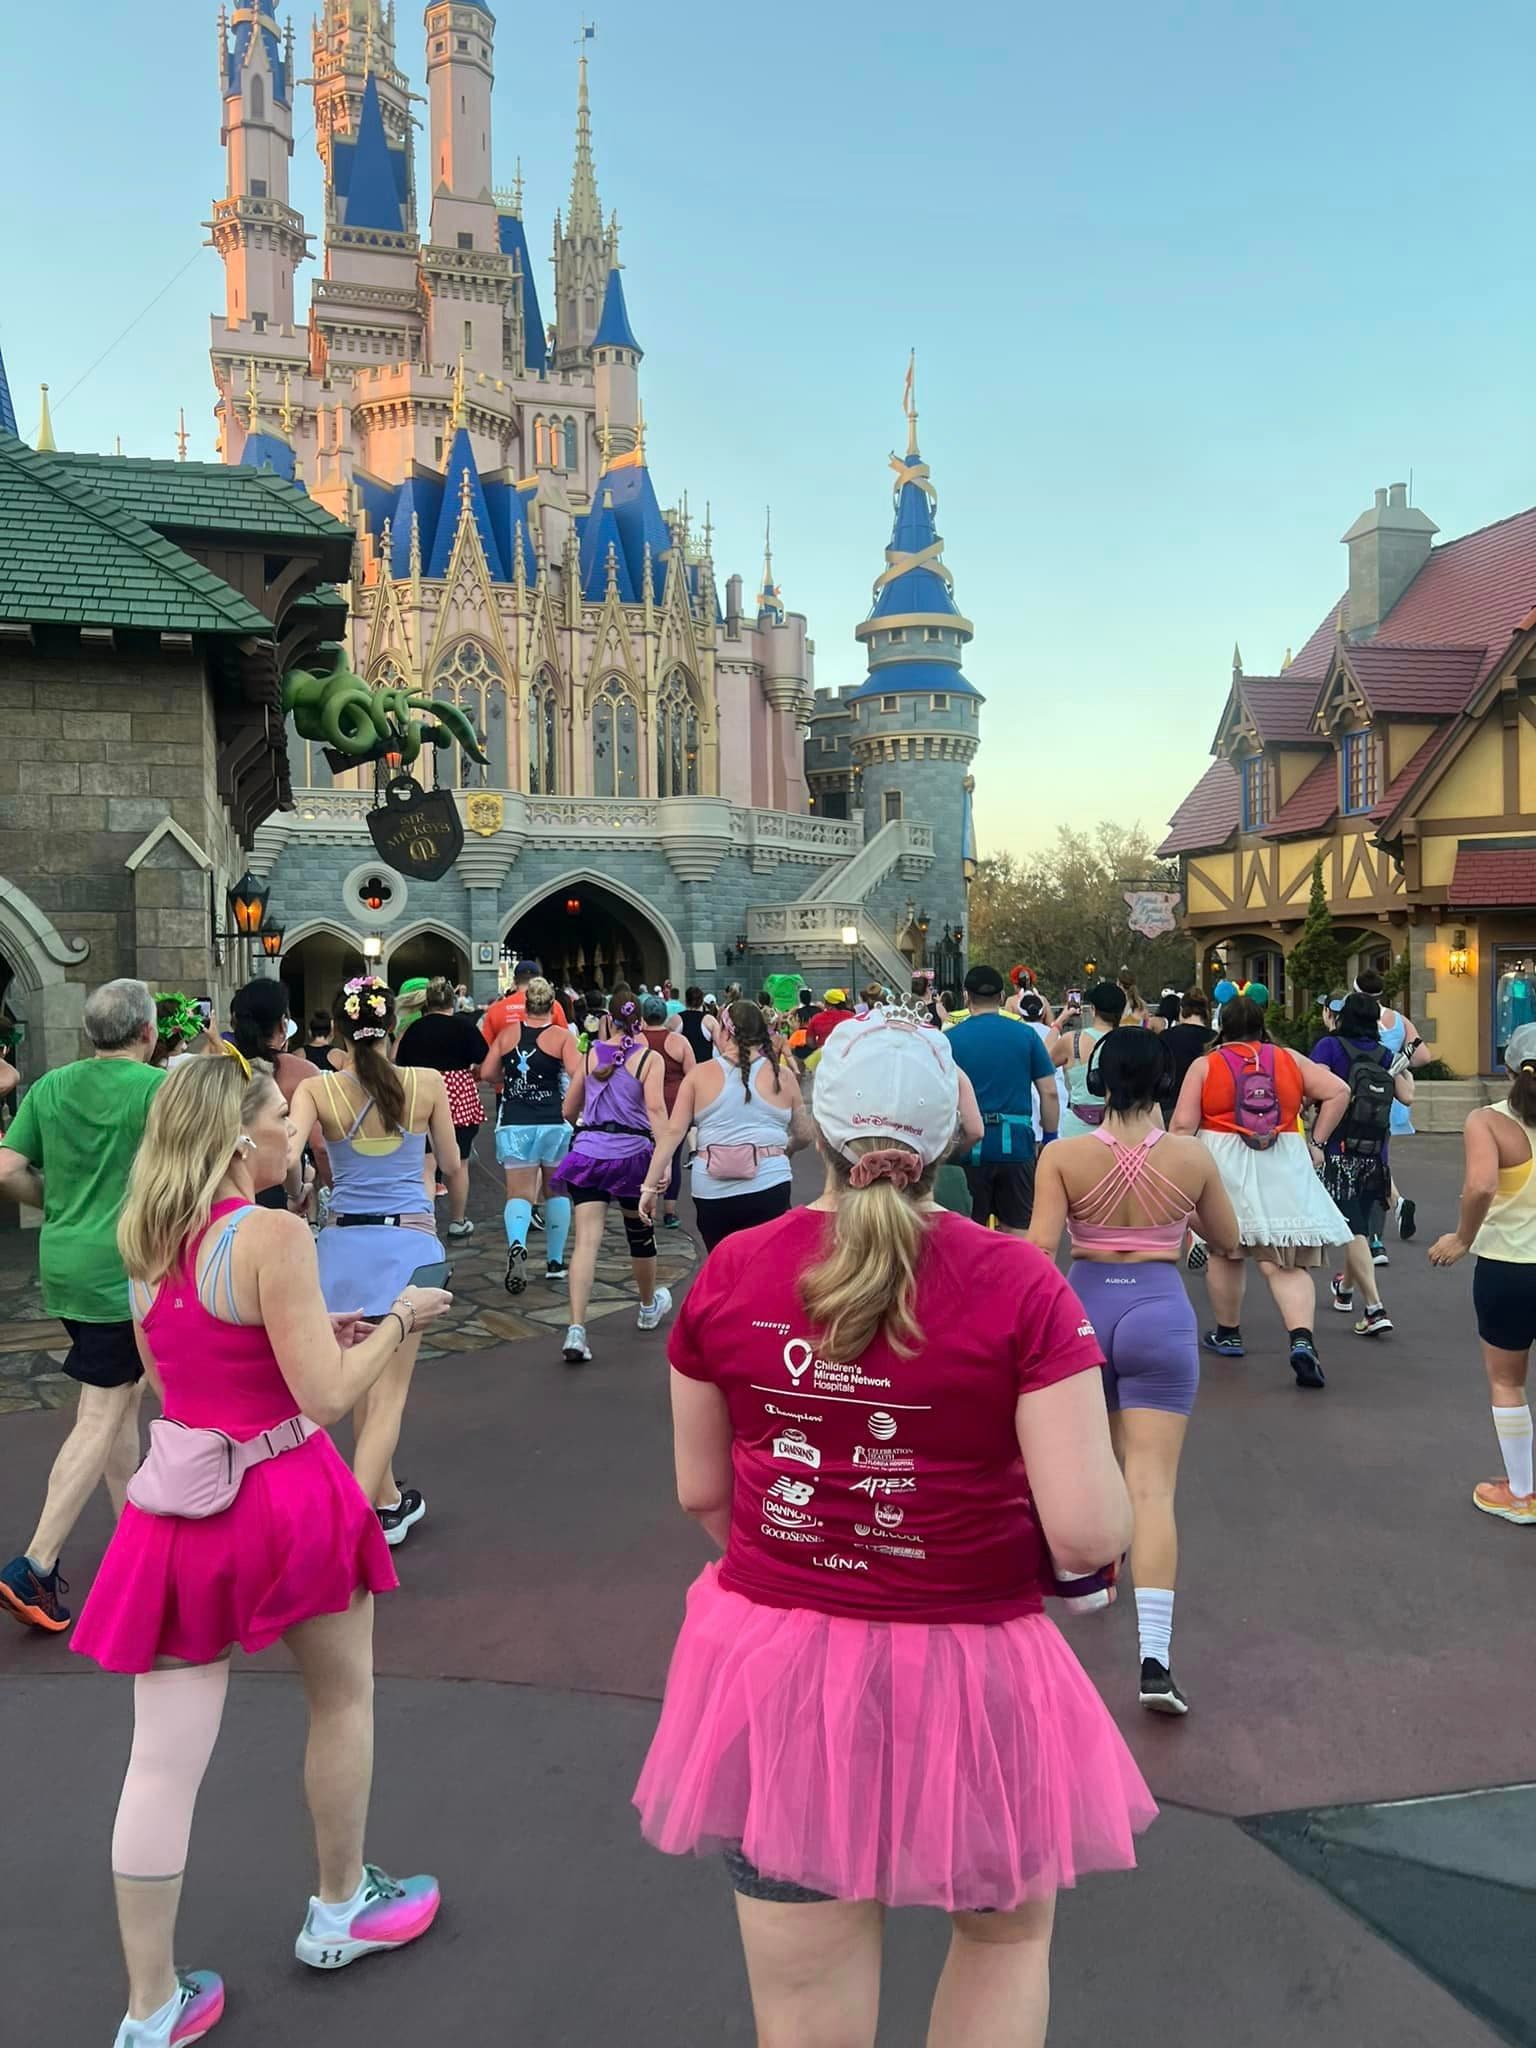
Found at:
(336, 708)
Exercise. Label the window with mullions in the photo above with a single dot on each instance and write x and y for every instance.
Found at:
(615, 742)
(1253, 793)
(1358, 771)
(543, 745)
(677, 739)
(469, 677)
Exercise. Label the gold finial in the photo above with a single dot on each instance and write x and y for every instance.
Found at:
(1341, 620)
(909, 404)
(517, 191)
(1289, 658)
(285, 411)
(182, 437)
(1237, 659)
(768, 549)
(253, 397)
(46, 444)
(640, 432)
(118, 444)
(709, 531)
(605, 439)
(460, 414)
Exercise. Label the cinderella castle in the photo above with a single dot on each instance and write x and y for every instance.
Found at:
(668, 792)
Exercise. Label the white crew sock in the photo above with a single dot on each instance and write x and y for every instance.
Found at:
(156, 2028)
(335, 1920)
(1514, 1428)
(1154, 1622)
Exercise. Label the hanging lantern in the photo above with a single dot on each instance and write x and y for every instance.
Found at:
(248, 905)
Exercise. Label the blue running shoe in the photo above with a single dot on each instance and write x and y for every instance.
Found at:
(32, 1597)
(1224, 1347)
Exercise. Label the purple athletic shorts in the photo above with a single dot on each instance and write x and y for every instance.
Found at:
(1144, 1322)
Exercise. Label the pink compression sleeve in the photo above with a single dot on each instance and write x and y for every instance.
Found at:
(176, 1716)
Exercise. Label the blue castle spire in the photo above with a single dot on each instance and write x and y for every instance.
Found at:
(613, 328)
(252, 19)
(372, 177)
(7, 409)
(915, 633)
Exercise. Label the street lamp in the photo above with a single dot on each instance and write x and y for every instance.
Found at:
(373, 947)
(248, 907)
(851, 941)
(1090, 970)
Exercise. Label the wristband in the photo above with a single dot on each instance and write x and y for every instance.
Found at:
(400, 1319)
(395, 1311)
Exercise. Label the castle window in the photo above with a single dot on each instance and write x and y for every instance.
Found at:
(258, 97)
(932, 633)
(899, 635)
(890, 807)
(259, 322)
(470, 677)
(1253, 793)
(677, 739)
(543, 747)
(615, 742)
(887, 703)
(572, 452)
(258, 188)
(466, 241)
(1358, 771)
(939, 701)
(541, 443)
(463, 42)
(437, 443)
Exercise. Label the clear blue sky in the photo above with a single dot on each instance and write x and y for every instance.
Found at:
(1185, 282)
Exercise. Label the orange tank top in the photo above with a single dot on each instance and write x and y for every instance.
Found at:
(1218, 1097)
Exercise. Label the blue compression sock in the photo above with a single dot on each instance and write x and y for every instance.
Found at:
(518, 1217)
(557, 1227)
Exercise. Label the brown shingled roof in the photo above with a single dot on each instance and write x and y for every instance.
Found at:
(1281, 707)
(1311, 806)
(1208, 816)
(1415, 680)
(1490, 871)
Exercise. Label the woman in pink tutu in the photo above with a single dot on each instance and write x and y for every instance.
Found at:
(891, 1421)
(242, 1526)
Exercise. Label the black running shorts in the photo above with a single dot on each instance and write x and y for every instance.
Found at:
(102, 1354)
(1504, 1298)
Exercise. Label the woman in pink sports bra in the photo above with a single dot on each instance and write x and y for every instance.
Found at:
(234, 1337)
(1128, 1196)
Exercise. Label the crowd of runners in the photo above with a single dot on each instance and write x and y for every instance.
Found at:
(903, 1424)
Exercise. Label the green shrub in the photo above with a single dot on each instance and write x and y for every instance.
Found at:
(1436, 1070)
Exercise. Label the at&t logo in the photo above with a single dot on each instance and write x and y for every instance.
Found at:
(882, 1427)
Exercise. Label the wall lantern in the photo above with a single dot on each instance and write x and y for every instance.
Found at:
(1460, 957)
(272, 940)
(373, 947)
(248, 906)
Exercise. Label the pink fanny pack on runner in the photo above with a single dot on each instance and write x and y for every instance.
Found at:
(195, 1473)
(738, 1162)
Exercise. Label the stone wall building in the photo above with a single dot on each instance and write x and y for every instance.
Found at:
(147, 611)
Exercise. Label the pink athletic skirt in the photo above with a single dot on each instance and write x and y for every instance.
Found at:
(299, 1541)
(963, 1766)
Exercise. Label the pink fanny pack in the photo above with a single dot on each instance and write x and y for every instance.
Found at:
(195, 1473)
(738, 1162)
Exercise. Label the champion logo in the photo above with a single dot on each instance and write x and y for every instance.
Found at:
(882, 1427)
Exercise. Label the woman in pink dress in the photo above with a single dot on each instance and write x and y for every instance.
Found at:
(891, 1421)
(235, 1339)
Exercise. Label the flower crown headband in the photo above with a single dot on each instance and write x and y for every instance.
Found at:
(366, 991)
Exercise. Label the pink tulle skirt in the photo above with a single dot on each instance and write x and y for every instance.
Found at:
(299, 1541)
(962, 1766)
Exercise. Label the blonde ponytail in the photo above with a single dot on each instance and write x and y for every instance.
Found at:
(867, 1283)
(190, 1137)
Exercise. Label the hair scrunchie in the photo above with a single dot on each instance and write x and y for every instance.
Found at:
(894, 1163)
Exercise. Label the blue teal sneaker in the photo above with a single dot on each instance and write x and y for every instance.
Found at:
(195, 2010)
(32, 1597)
(1224, 1347)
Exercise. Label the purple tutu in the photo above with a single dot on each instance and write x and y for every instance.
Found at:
(607, 1162)
(964, 1766)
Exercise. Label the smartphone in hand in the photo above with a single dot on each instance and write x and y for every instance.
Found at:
(440, 1274)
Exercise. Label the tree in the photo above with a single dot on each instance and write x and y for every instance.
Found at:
(1318, 963)
(1055, 911)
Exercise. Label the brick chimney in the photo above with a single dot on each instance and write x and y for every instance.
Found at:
(1388, 546)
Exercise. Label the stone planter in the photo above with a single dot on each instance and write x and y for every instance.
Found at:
(1441, 1106)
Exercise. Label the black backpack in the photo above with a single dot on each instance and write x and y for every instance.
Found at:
(1372, 1091)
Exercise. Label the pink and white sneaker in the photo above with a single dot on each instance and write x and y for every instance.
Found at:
(194, 2011)
(383, 1914)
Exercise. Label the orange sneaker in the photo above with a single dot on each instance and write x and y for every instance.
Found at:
(1495, 1498)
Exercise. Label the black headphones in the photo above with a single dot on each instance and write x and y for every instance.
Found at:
(1094, 1081)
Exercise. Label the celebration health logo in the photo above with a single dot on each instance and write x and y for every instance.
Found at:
(882, 1426)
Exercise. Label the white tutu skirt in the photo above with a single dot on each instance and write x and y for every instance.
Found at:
(1279, 1198)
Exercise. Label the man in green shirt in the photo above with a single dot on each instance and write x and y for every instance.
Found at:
(69, 1152)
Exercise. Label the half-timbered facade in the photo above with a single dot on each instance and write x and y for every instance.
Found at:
(1400, 743)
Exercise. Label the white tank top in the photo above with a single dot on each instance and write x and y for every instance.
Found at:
(729, 1120)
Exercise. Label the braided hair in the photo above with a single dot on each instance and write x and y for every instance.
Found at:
(752, 1039)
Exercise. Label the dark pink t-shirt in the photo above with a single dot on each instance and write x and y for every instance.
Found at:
(891, 1488)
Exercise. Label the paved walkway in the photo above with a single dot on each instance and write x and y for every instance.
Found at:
(1340, 1633)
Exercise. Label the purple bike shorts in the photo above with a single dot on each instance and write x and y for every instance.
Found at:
(1146, 1327)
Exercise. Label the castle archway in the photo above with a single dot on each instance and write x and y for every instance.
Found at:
(592, 933)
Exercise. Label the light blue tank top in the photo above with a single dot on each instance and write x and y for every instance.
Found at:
(377, 1176)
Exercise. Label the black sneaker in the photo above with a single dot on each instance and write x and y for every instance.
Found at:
(1199, 1256)
(517, 1268)
(1159, 1694)
(1343, 1295)
(1224, 1347)
(1407, 1218)
(1374, 1323)
(1305, 1364)
(398, 1522)
(557, 1269)
(538, 1218)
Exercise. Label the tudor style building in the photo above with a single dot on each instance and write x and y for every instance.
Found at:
(1401, 744)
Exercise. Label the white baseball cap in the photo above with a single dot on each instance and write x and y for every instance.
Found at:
(1521, 1047)
(888, 1076)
